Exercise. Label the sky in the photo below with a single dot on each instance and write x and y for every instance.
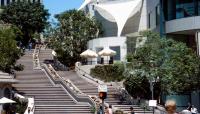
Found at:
(58, 6)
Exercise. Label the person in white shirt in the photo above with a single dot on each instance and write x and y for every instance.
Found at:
(194, 110)
(110, 109)
(187, 111)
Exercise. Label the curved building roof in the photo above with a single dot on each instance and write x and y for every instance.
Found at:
(121, 11)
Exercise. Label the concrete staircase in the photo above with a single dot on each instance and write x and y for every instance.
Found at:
(91, 89)
(49, 98)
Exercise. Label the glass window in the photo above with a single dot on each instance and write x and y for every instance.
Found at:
(198, 7)
(175, 9)
(149, 20)
(157, 15)
(8, 2)
(99, 58)
(117, 49)
(2, 3)
(184, 8)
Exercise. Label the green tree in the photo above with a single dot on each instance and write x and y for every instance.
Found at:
(170, 64)
(71, 35)
(9, 52)
(28, 17)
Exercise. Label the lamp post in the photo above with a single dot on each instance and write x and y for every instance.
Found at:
(152, 81)
(152, 88)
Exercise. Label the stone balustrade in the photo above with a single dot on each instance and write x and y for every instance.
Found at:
(36, 61)
(67, 82)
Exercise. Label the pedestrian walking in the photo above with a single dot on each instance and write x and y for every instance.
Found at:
(194, 110)
(110, 109)
(170, 107)
(30, 46)
(132, 110)
(187, 111)
(100, 110)
(106, 110)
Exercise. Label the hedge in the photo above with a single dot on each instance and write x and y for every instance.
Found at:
(108, 73)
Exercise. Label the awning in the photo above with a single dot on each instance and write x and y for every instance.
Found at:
(121, 11)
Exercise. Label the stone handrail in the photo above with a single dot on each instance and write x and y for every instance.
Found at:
(36, 61)
(84, 74)
(125, 96)
(31, 104)
(58, 78)
(68, 85)
(95, 81)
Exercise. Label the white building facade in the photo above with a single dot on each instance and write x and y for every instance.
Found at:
(177, 19)
(118, 18)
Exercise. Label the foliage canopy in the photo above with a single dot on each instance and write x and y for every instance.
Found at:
(9, 52)
(28, 17)
(71, 35)
(169, 63)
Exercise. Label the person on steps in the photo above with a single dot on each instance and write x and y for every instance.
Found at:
(132, 111)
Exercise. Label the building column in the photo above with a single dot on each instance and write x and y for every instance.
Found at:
(197, 37)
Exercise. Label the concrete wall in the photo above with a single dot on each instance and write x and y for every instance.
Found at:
(151, 11)
(183, 24)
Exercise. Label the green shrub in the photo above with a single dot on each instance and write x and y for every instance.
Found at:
(108, 72)
(20, 107)
(19, 67)
(138, 86)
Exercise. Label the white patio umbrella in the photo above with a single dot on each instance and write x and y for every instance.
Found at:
(89, 54)
(107, 52)
(4, 100)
